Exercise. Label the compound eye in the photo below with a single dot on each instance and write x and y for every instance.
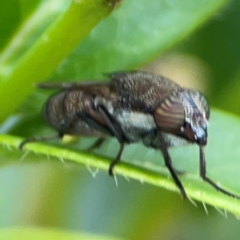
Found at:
(170, 114)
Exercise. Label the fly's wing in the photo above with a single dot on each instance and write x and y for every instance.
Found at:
(91, 87)
(142, 90)
(70, 85)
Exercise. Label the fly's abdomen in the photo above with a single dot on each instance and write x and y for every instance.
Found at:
(61, 112)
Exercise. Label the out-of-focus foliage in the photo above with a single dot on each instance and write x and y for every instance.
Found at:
(42, 192)
(47, 234)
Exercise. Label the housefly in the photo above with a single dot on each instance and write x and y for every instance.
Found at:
(133, 106)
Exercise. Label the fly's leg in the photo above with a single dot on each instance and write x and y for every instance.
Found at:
(112, 124)
(93, 123)
(117, 132)
(203, 173)
(111, 128)
(96, 144)
(39, 139)
(116, 160)
(168, 163)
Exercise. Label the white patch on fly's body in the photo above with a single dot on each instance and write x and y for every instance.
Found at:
(137, 119)
(134, 124)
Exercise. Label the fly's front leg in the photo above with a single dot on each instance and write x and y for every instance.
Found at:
(203, 174)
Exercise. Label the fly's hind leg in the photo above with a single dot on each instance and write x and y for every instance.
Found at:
(98, 143)
(39, 139)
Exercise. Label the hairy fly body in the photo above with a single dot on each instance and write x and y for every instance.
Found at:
(133, 106)
(62, 111)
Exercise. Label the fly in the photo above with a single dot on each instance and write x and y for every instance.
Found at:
(133, 106)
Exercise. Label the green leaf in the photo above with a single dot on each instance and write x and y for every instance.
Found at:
(134, 34)
(47, 234)
(222, 155)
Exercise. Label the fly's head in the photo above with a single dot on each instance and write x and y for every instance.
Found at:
(184, 113)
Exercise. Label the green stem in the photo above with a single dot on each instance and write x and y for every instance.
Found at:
(195, 189)
(51, 48)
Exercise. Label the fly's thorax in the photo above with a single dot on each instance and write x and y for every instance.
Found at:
(184, 113)
(134, 124)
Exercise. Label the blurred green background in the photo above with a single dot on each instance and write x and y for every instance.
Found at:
(196, 44)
